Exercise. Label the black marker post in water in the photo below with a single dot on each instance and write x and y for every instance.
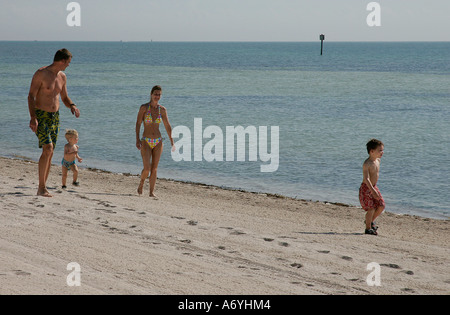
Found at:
(322, 38)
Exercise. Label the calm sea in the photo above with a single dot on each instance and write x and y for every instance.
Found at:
(326, 107)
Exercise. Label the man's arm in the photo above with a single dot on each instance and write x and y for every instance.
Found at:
(32, 94)
(66, 99)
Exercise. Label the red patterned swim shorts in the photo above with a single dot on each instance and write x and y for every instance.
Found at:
(368, 202)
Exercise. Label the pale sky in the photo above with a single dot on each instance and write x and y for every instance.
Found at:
(225, 20)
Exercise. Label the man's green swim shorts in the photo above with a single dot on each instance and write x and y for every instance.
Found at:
(48, 127)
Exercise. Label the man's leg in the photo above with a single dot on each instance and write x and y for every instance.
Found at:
(49, 164)
(45, 162)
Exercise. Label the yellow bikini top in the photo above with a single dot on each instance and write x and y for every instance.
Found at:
(148, 117)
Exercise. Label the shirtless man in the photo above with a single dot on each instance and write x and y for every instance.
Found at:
(47, 85)
(369, 194)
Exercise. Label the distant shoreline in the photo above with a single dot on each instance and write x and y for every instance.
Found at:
(213, 42)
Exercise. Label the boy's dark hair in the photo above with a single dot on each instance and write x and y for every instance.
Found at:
(62, 54)
(373, 144)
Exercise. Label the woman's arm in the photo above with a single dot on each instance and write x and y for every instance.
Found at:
(139, 120)
(167, 125)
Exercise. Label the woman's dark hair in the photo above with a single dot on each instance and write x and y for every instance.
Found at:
(156, 88)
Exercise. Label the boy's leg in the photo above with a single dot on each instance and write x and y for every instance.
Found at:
(75, 173)
(377, 212)
(64, 176)
(369, 218)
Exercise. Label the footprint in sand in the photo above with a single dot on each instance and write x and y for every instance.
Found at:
(408, 290)
(297, 265)
(107, 211)
(347, 258)
(21, 273)
(22, 187)
(106, 204)
(393, 266)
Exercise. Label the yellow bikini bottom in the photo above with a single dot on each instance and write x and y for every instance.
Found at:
(152, 142)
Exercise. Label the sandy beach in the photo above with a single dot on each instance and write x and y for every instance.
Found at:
(197, 239)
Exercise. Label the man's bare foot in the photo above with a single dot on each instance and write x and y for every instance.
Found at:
(153, 195)
(43, 192)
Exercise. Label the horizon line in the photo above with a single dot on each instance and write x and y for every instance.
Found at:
(228, 41)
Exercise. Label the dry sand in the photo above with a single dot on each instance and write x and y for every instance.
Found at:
(198, 239)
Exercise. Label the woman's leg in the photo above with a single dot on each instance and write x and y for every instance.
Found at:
(146, 155)
(156, 156)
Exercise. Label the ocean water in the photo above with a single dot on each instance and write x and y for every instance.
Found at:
(326, 107)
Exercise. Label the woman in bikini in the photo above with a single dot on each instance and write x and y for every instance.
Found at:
(151, 144)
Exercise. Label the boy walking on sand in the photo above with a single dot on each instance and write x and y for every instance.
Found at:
(369, 194)
(70, 154)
